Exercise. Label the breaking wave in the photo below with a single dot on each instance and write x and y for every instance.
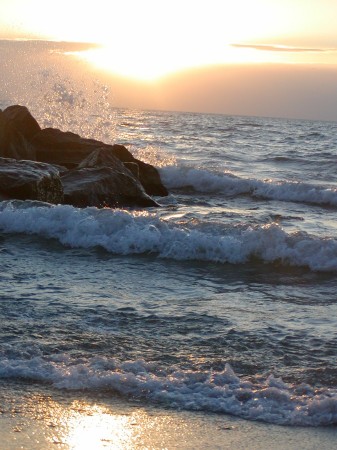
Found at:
(131, 232)
(269, 400)
(204, 181)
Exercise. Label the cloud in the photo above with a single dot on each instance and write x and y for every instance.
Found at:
(283, 48)
(30, 44)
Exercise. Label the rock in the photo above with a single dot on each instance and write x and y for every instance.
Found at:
(12, 142)
(133, 167)
(148, 175)
(122, 153)
(103, 187)
(22, 120)
(102, 157)
(111, 175)
(115, 187)
(62, 147)
(29, 180)
(150, 179)
(69, 149)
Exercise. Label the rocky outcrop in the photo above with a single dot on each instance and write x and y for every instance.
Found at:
(150, 179)
(69, 149)
(103, 187)
(71, 169)
(148, 175)
(102, 180)
(62, 147)
(22, 120)
(30, 180)
(13, 144)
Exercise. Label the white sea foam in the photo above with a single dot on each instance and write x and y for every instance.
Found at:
(126, 232)
(204, 181)
(269, 400)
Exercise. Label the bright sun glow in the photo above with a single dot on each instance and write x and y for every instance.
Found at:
(118, 61)
(99, 430)
(158, 39)
(145, 67)
(148, 39)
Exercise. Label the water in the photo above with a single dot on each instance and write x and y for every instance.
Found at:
(223, 300)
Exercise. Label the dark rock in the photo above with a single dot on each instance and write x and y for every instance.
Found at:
(102, 157)
(150, 179)
(148, 175)
(69, 149)
(122, 153)
(66, 148)
(133, 167)
(12, 142)
(22, 120)
(103, 187)
(122, 189)
(92, 173)
(62, 147)
(29, 180)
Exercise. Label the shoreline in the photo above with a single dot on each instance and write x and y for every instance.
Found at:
(36, 418)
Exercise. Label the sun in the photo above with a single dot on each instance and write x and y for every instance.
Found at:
(151, 65)
(143, 65)
(148, 39)
(157, 39)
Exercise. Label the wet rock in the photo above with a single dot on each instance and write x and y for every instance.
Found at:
(148, 175)
(103, 157)
(69, 149)
(150, 179)
(103, 187)
(102, 180)
(93, 173)
(30, 180)
(62, 147)
(22, 120)
(133, 167)
(13, 144)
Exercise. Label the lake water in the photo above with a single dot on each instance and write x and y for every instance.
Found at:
(222, 300)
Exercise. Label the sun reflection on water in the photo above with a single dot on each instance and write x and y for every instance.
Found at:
(97, 429)
(41, 421)
(84, 426)
(80, 425)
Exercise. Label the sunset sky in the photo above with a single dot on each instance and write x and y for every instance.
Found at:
(151, 39)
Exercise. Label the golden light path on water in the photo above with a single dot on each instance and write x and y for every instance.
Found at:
(86, 426)
(39, 421)
(93, 427)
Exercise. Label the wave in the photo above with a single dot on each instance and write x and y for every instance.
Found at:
(312, 134)
(269, 400)
(131, 232)
(228, 184)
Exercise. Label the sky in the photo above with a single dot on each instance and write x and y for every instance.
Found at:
(153, 40)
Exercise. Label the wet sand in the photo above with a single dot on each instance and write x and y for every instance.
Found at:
(36, 418)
